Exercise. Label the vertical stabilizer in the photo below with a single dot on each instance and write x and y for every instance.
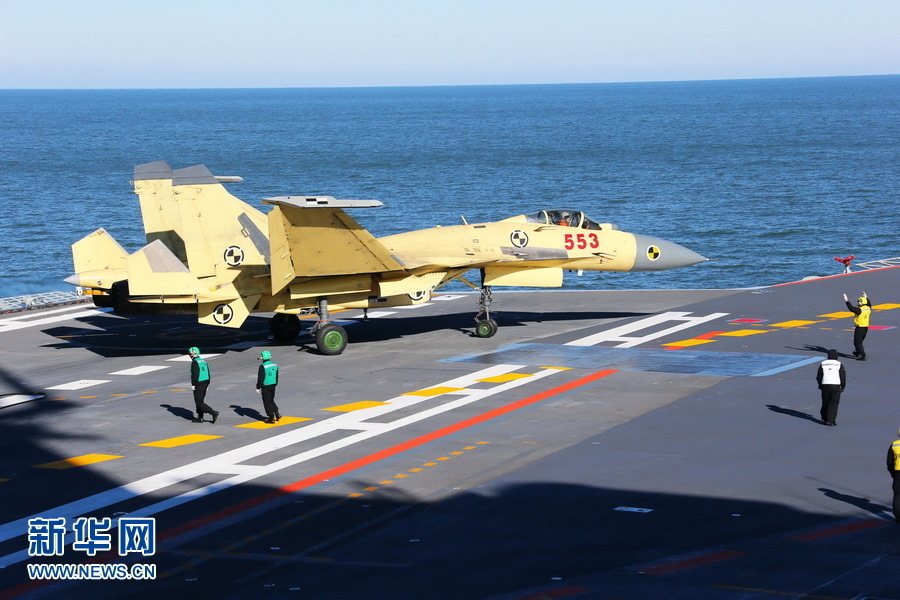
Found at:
(193, 215)
(217, 228)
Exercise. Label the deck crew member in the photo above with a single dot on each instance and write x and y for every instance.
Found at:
(863, 311)
(199, 383)
(893, 466)
(266, 380)
(832, 379)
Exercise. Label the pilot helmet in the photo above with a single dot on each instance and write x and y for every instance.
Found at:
(265, 355)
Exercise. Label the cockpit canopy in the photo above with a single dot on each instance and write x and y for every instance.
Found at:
(566, 218)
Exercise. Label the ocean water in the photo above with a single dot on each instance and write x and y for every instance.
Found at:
(770, 179)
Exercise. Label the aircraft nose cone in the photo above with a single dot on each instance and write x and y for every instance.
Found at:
(655, 254)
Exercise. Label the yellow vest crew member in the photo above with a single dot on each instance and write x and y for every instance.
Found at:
(862, 312)
(893, 466)
(266, 380)
(199, 383)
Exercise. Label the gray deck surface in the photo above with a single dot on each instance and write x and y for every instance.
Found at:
(603, 445)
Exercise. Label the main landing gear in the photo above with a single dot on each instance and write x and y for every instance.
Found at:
(331, 338)
(486, 327)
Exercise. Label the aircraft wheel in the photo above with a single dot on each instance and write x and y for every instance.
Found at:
(331, 339)
(486, 328)
(285, 328)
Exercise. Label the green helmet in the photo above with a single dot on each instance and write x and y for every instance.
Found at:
(194, 350)
(265, 355)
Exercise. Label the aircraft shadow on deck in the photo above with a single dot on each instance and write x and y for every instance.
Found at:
(530, 535)
(143, 335)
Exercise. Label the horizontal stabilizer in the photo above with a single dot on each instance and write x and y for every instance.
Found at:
(155, 271)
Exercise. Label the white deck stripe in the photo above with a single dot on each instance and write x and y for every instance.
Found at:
(78, 385)
(140, 370)
(15, 323)
(621, 334)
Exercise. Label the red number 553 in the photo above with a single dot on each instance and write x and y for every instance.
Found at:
(581, 241)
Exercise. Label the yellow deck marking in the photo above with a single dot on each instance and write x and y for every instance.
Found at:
(684, 343)
(370, 489)
(416, 470)
(559, 368)
(77, 461)
(788, 324)
(437, 391)
(505, 377)
(354, 495)
(885, 306)
(457, 453)
(179, 390)
(118, 394)
(838, 315)
(283, 421)
(181, 441)
(400, 476)
(386, 482)
(355, 406)
(744, 332)
(148, 392)
(2, 479)
(429, 464)
(86, 397)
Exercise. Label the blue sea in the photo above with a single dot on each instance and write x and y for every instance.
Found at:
(770, 179)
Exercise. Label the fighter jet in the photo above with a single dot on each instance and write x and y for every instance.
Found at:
(210, 254)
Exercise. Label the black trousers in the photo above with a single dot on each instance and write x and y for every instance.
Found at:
(896, 486)
(199, 396)
(859, 334)
(268, 397)
(831, 398)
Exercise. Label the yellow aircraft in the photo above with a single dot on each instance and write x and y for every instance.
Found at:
(212, 255)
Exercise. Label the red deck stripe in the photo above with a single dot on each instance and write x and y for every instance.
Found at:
(837, 530)
(387, 452)
(690, 563)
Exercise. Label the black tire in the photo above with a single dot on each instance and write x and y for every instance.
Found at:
(285, 328)
(486, 328)
(331, 339)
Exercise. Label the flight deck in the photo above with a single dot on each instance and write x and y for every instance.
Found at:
(602, 445)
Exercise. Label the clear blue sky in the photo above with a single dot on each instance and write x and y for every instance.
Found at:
(304, 43)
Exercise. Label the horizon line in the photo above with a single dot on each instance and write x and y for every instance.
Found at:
(447, 85)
